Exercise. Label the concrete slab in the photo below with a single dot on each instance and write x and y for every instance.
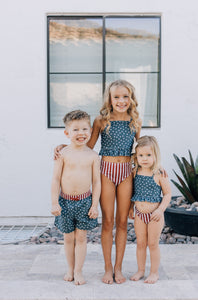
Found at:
(35, 272)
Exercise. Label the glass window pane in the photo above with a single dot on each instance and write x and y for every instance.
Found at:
(70, 92)
(75, 45)
(132, 43)
(146, 90)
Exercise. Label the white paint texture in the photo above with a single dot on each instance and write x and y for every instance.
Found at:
(26, 145)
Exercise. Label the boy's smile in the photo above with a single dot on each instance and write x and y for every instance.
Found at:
(78, 131)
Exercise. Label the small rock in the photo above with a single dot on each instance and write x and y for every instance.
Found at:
(61, 242)
(194, 239)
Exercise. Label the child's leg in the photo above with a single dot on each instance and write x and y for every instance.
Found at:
(141, 238)
(69, 252)
(107, 201)
(124, 192)
(80, 253)
(154, 231)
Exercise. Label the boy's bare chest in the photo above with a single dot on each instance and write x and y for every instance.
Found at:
(78, 161)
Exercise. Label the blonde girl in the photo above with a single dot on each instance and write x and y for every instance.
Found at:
(118, 124)
(148, 182)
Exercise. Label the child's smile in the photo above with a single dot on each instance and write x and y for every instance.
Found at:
(120, 99)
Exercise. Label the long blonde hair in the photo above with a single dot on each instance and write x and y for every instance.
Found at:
(152, 142)
(107, 107)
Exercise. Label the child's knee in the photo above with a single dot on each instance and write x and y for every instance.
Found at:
(107, 223)
(69, 237)
(153, 245)
(81, 236)
(121, 223)
(141, 244)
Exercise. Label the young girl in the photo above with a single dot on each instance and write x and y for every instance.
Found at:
(118, 124)
(149, 206)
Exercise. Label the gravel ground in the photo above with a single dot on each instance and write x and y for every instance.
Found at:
(168, 236)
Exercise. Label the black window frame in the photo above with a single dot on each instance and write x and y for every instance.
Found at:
(104, 16)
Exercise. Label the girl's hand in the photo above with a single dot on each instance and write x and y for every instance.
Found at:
(57, 151)
(163, 172)
(157, 215)
(131, 212)
(56, 210)
(93, 212)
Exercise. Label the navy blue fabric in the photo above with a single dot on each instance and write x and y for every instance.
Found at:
(146, 189)
(74, 214)
(118, 141)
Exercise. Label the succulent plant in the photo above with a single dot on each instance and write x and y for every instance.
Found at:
(189, 186)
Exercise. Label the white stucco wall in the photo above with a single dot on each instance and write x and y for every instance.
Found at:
(26, 144)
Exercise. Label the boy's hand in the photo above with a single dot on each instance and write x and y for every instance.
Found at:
(57, 151)
(131, 211)
(56, 210)
(157, 215)
(93, 212)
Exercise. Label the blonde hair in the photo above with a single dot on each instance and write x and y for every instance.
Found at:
(152, 142)
(107, 107)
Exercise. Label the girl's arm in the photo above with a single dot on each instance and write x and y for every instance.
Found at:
(57, 151)
(166, 190)
(139, 121)
(95, 132)
(96, 187)
(55, 187)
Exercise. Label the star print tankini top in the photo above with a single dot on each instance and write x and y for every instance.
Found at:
(146, 189)
(118, 141)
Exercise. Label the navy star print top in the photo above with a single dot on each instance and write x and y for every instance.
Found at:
(146, 189)
(118, 141)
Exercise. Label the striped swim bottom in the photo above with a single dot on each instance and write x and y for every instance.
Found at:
(116, 172)
(145, 217)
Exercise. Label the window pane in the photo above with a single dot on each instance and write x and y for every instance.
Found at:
(70, 92)
(146, 90)
(75, 45)
(132, 43)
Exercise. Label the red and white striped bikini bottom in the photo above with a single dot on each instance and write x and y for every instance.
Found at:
(145, 217)
(116, 172)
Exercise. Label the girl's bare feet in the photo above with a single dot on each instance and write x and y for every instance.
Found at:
(108, 277)
(69, 276)
(137, 276)
(119, 278)
(152, 278)
(79, 279)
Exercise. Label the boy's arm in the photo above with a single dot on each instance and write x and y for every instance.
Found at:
(166, 190)
(55, 187)
(96, 187)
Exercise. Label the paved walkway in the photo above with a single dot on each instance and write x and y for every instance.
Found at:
(36, 272)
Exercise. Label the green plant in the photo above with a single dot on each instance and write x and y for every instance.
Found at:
(189, 186)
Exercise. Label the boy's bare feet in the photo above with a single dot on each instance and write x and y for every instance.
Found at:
(79, 279)
(108, 277)
(137, 276)
(152, 278)
(119, 278)
(69, 276)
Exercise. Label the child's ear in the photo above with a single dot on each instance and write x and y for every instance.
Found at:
(66, 133)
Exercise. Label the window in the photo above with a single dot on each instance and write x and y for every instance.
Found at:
(87, 52)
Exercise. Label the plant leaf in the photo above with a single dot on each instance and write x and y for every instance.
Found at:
(196, 165)
(189, 199)
(191, 160)
(190, 175)
(181, 167)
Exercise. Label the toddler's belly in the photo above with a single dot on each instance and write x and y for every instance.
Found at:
(146, 207)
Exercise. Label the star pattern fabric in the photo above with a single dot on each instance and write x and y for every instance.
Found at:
(74, 214)
(118, 141)
(146, 189)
